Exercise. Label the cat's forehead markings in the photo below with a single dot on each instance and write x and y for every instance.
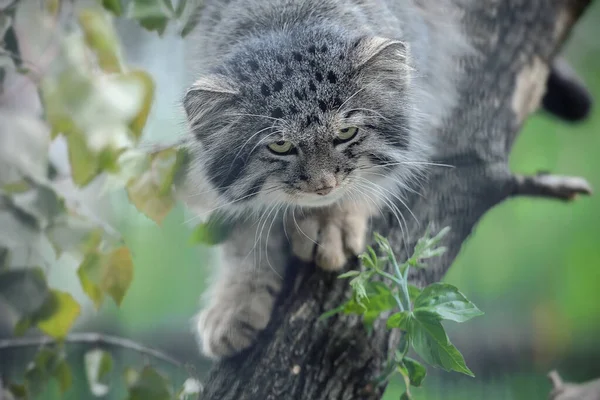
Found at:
(301, 83)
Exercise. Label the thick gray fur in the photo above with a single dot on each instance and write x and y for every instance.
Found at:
(299, 71)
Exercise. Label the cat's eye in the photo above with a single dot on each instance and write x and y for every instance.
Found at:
(281, 147)
(346, 134)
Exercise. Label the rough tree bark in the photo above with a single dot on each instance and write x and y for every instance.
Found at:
(300, 357)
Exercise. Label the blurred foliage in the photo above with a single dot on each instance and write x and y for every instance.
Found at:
(100, 107)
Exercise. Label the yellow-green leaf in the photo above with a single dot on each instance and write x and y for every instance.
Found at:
(89, 273)
(117, 273)
(57, 315)
(100, 37)
(144, 195)
(147, 83)
(110, 274)
(84, 162)
(52, 6)
(164, 165)
(152, 191)
(16, 187)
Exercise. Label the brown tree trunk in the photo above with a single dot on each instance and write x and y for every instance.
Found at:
(301, 357)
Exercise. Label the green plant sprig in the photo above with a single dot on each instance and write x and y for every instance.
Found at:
(416, 312)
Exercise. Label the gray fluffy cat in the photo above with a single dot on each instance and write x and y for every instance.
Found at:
(308, 117)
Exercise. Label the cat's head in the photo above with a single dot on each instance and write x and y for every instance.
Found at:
(304, 122)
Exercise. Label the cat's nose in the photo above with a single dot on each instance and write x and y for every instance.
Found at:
(327, 184)
(324, 190)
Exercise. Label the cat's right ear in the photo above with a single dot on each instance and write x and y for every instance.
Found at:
(209, 100)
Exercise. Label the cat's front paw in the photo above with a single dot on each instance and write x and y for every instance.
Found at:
(226, 328)
(331, 236)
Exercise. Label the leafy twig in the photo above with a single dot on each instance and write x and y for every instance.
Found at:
(418, 313)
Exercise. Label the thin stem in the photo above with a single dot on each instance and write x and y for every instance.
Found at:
(400, 280)
(90, 338)
(405, 290)
(399, 302)
(389, 276)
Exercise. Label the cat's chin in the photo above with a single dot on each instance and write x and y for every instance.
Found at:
(316, 201)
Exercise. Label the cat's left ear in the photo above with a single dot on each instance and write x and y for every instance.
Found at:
(380, 56)
(208, 99)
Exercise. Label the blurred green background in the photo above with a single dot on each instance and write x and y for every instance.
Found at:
(532, 265)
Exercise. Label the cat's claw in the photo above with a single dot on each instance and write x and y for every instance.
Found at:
(330, 237)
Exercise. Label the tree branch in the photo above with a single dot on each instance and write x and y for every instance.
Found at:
(94, 339)
(552, 186)
(302, 357)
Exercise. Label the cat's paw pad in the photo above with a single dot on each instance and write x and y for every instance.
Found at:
(225, 329)
(330, 237)
(331, 252)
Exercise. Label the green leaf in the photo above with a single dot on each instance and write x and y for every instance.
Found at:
(379, 297)
(189, 26)
(98, 366)
(349, 274)
(151, 14)
(370, 298)
(430, 341)
(405, 396)
(181, 6)
(113, 6)
(152, 191)
(41, 203)
(331, 313)
(413, 292)
(89, 273)
(85, 165)
(117, 273)
(19, 392)
(416, 371)
(212, 232)
(403, 346)
(57, 315)
(16, 187)
(70, 233)
(130, 376)
(63, 375)
(398, 320)
(148, 384)
(25, 290)
(447, 302)
(110, 273)
(101, 38)
(146, 83)
(48, 363)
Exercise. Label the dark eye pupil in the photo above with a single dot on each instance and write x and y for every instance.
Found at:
(345, 130)
(280, 143)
